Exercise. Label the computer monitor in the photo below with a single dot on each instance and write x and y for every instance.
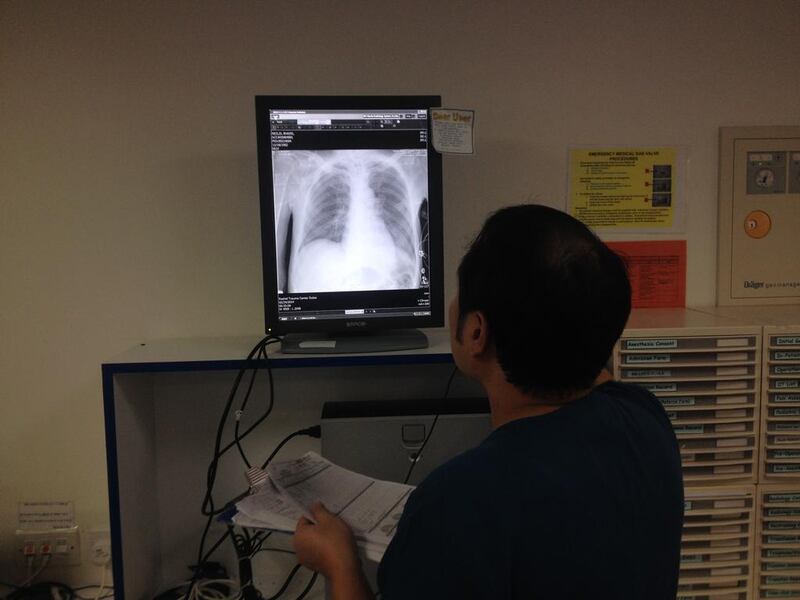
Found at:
(351, 221)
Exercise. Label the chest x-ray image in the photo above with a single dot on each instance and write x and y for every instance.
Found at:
(350, 220)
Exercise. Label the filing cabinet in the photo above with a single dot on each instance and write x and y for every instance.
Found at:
(778, 546)
(781, 401)
(717, 545)
(708, 381)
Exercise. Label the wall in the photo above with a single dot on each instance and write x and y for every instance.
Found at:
(128, 187)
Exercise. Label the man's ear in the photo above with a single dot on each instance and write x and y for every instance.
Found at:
(476, 333)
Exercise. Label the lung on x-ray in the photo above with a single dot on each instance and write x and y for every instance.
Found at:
(350, 220)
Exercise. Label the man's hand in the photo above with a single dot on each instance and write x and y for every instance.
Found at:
(328, 547)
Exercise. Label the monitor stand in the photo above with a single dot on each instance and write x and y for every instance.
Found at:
(345, 342)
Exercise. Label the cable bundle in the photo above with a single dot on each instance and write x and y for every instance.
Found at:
(246, 545)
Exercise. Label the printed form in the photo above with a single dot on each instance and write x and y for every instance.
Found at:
(371, 507)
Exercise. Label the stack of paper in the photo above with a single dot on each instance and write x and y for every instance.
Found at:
(370, 507)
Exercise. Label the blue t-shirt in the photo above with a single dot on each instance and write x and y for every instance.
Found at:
(585, 502)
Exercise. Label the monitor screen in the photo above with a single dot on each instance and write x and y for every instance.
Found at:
(351, 213)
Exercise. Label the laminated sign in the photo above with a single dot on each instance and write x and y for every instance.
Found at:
(624, 188)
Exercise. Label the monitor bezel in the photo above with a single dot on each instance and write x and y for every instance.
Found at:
(272, 325)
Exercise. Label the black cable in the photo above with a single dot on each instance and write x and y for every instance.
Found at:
(37, 591)
(207, 507)
(245, 545)
(216, 545)
(260, 542)
(294, 571)
(433, 426)
(196, 572)
(280, 550)
(270, 405)
(44, 589)
(308, 587)
(262, 355)
(315, 432)
(286, 583)
(212, 467)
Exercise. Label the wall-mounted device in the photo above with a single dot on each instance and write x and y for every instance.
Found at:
(759, 216)
(351, 216)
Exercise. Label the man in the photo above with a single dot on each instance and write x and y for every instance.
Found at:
(577, 492)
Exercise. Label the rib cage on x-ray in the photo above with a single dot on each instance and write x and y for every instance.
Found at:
(349, 219)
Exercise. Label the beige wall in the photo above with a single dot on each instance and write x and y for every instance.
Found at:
(128, 186)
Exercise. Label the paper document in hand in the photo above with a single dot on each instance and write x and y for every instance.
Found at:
(269, 508)
(370, 507)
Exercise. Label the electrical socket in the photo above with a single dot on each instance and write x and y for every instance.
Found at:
(63, 545)
(98, 546)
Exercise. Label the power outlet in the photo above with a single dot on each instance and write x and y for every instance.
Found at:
(98, 546)
(62, 545)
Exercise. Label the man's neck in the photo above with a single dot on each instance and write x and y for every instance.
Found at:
(508, 403)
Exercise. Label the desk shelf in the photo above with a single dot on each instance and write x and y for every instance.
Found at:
(162, 400)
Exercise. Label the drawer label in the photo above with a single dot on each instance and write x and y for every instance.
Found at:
(647, 358)
(652, 344)
(783, 512)
(786, 454)
(691, 558)
(783, 553)
(785, 468)
(786, 369)
(777, 566)
(787, 383)
(782, 579)
(650, 373)
(783, 498)
(661, 387)
(782, 525)
(682, 401)
(786, 355)
(787, 426)
(786, 398)
(689, 429)
(786, 412)
(786, 340)
(785, 439)
(783, 539)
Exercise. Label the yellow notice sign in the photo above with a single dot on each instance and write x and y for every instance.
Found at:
(629, 188)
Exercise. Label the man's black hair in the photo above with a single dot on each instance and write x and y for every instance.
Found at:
(555, 297)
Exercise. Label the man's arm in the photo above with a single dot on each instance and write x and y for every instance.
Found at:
(350, 586)
(329, 548)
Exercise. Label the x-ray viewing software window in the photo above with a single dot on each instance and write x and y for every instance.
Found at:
(351, 210)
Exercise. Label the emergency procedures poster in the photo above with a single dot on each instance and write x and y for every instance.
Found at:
(625, 188)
